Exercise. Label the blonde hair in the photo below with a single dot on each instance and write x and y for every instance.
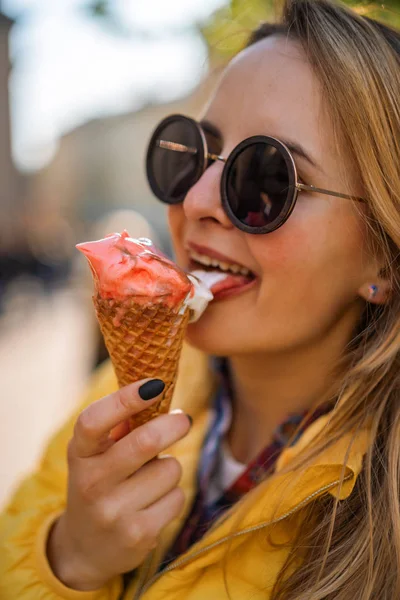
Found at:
(353, 546)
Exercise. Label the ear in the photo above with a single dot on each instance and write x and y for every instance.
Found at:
(376, 292)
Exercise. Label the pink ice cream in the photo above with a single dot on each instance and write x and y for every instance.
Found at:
(124, 267)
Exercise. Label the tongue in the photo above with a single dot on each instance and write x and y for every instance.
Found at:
(216, 281)
(231, 281)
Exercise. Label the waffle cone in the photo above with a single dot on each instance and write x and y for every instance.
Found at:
(143, 341)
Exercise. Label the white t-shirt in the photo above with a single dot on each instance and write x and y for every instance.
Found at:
(227, 471)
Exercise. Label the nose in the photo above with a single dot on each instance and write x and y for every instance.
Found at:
(203, 200)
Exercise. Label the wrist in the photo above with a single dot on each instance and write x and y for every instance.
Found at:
(65, 562)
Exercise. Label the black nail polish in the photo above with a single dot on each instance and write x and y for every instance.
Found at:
(190, 419)
(151, 389)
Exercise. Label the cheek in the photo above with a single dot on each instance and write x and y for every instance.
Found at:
(176, 222)
(284, 247)
(315, 244)
(281, 250)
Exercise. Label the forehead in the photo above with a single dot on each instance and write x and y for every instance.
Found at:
(270, 89)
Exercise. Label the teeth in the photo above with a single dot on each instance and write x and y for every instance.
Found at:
(224, 266)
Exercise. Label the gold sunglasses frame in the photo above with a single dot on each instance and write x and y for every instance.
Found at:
(209, 156)
(294, 186)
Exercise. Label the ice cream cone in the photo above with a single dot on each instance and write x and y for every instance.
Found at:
(143, 303)
(146, 342)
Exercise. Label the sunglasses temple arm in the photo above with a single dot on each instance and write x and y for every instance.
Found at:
(311, 188)
(300, 186)
(175, 147)
(216, 157)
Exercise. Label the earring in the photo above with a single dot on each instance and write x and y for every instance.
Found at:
(373, 290)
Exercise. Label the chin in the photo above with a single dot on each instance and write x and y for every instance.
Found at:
(215, 338)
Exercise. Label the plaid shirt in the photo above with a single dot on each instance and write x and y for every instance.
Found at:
(203, 514)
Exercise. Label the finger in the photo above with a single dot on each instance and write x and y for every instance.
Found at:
(141, 530)
(144, 443)
(92, 429)
(161, 513)
(120, 431)
(150, 483)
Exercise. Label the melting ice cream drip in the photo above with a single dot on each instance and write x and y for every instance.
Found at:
(125, 268)
(198, 298)
(209, 278)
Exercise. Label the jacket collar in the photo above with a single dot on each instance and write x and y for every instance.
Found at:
(287, 491)
(272, 502)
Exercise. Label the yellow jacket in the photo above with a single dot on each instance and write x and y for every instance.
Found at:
(253, 561)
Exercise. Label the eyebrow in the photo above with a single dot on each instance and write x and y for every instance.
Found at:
(300, 151)
(210, 128)
(294, 147)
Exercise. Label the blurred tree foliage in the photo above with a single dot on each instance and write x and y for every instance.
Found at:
(228, 30)
(99, 8)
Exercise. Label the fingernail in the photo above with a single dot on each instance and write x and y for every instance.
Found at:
(179, 411)
(151, 389)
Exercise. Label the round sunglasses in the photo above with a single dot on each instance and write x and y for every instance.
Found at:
(259, 183)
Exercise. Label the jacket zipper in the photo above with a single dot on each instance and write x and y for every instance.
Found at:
(144, 570)
(143, 587)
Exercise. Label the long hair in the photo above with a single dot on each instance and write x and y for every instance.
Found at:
(352, 547)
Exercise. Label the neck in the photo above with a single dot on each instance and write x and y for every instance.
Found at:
(269, 387)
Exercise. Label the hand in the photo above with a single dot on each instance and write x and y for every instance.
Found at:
(120, 495)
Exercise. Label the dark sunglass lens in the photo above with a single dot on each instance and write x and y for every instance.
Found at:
(257, 184)
(174, 159)
(214, 142)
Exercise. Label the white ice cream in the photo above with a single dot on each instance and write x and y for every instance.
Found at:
(202, 282)
(200, 299)
(209, 278)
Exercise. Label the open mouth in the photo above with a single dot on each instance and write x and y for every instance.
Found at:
(222, 278)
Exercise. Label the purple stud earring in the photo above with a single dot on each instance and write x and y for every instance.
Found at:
(373, 290)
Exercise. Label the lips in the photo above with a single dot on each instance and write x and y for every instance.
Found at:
(227, 278)
(227, 284)
(210, 253)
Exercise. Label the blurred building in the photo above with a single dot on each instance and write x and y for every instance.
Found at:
(99, 167)
(10, 189)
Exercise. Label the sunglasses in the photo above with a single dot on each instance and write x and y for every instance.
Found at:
(259, 183)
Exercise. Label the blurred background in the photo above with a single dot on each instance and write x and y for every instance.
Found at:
(82, 85)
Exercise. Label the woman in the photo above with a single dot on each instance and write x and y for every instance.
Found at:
(291, 482)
